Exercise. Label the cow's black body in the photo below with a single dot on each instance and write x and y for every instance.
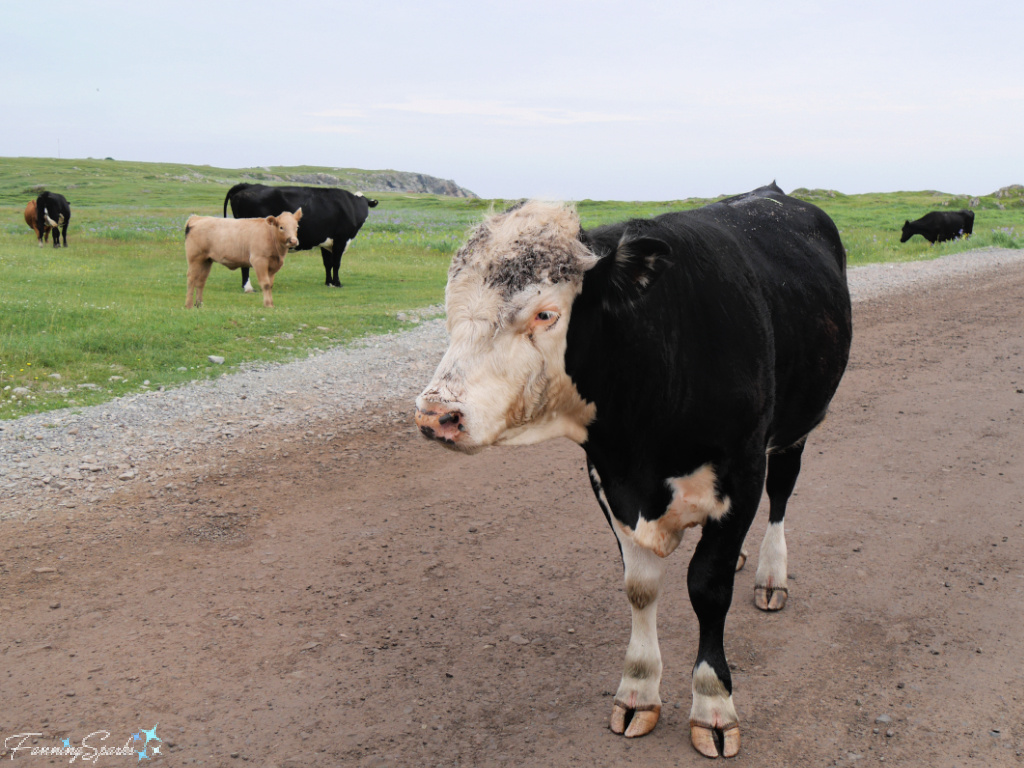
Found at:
(54, 206)
(938, 226)
(328, 214)
(734, 351)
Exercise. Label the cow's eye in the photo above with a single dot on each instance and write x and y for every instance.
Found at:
(544, 319)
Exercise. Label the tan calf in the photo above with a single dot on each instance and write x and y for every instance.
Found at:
(257, 243)
(30, 219)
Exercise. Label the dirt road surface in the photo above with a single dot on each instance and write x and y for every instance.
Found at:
(369, 599)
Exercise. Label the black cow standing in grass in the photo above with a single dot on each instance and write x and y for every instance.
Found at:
(690, 355)
(938, 226)
(52, 210)
(331, 218)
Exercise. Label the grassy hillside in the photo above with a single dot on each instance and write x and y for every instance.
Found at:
(105, 316)
(161, 185)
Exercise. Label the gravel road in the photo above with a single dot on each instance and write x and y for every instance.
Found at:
(86, 453)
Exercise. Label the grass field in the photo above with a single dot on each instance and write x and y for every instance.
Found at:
(105, 317)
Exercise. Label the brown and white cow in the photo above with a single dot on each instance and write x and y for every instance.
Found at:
(30, 219)
(257, 243)
(690, 355)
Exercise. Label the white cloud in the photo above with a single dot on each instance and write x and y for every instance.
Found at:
(340, 113)
(347, 129)
(504, 113)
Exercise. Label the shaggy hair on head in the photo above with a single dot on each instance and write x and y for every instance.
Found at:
(534, 242)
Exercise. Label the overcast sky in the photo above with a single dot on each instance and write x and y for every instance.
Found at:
(605, 100)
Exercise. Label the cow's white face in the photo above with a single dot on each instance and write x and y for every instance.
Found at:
(510, 291)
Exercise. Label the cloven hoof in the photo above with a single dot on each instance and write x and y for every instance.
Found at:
(706, 740)
(643, 721)
(770, 598)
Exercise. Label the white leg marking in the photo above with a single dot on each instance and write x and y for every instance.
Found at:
(712, 710)
(712, 703)
(641, 674)
(771, 581)
(771, 562)
(248, 287)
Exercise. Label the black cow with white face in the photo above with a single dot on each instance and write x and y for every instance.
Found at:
(331, 218)
(52, 210)
(690, 355)
(939, 226)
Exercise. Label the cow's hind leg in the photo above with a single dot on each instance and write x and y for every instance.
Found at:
(198, 272)
(771, 583)
(637, 704)
(246, 285)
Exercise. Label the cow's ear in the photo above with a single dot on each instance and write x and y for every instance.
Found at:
(906, 222)
(272, 220)
(298, 214)
(634, 267)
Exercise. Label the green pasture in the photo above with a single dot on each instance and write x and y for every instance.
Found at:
(108, 312)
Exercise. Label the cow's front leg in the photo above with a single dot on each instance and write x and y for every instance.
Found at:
(265, 278)
(714, 724)
(637, 705)
(328, 259)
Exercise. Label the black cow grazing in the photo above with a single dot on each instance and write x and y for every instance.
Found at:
(938, 226)
(331, 218)
(52, 210)
(690, 355)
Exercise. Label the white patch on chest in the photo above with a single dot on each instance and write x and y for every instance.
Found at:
(694, 501)
(328, 245)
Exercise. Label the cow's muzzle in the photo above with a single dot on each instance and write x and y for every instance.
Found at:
(440, 422)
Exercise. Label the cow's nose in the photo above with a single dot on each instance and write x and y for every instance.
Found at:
(440, 422)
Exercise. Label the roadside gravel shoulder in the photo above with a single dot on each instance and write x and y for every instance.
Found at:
(75, 457)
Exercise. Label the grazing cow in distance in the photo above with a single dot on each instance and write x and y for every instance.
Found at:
(690, 355)
(31, 220)
(938, 226)
(333, 218)
(52, 210)
(257, 243)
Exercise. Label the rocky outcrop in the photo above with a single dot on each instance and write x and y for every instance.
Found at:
(397, 181)
(813, 194)
(363, 181)
(1014, 190)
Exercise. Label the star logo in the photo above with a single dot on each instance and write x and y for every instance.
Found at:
(150, 735)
